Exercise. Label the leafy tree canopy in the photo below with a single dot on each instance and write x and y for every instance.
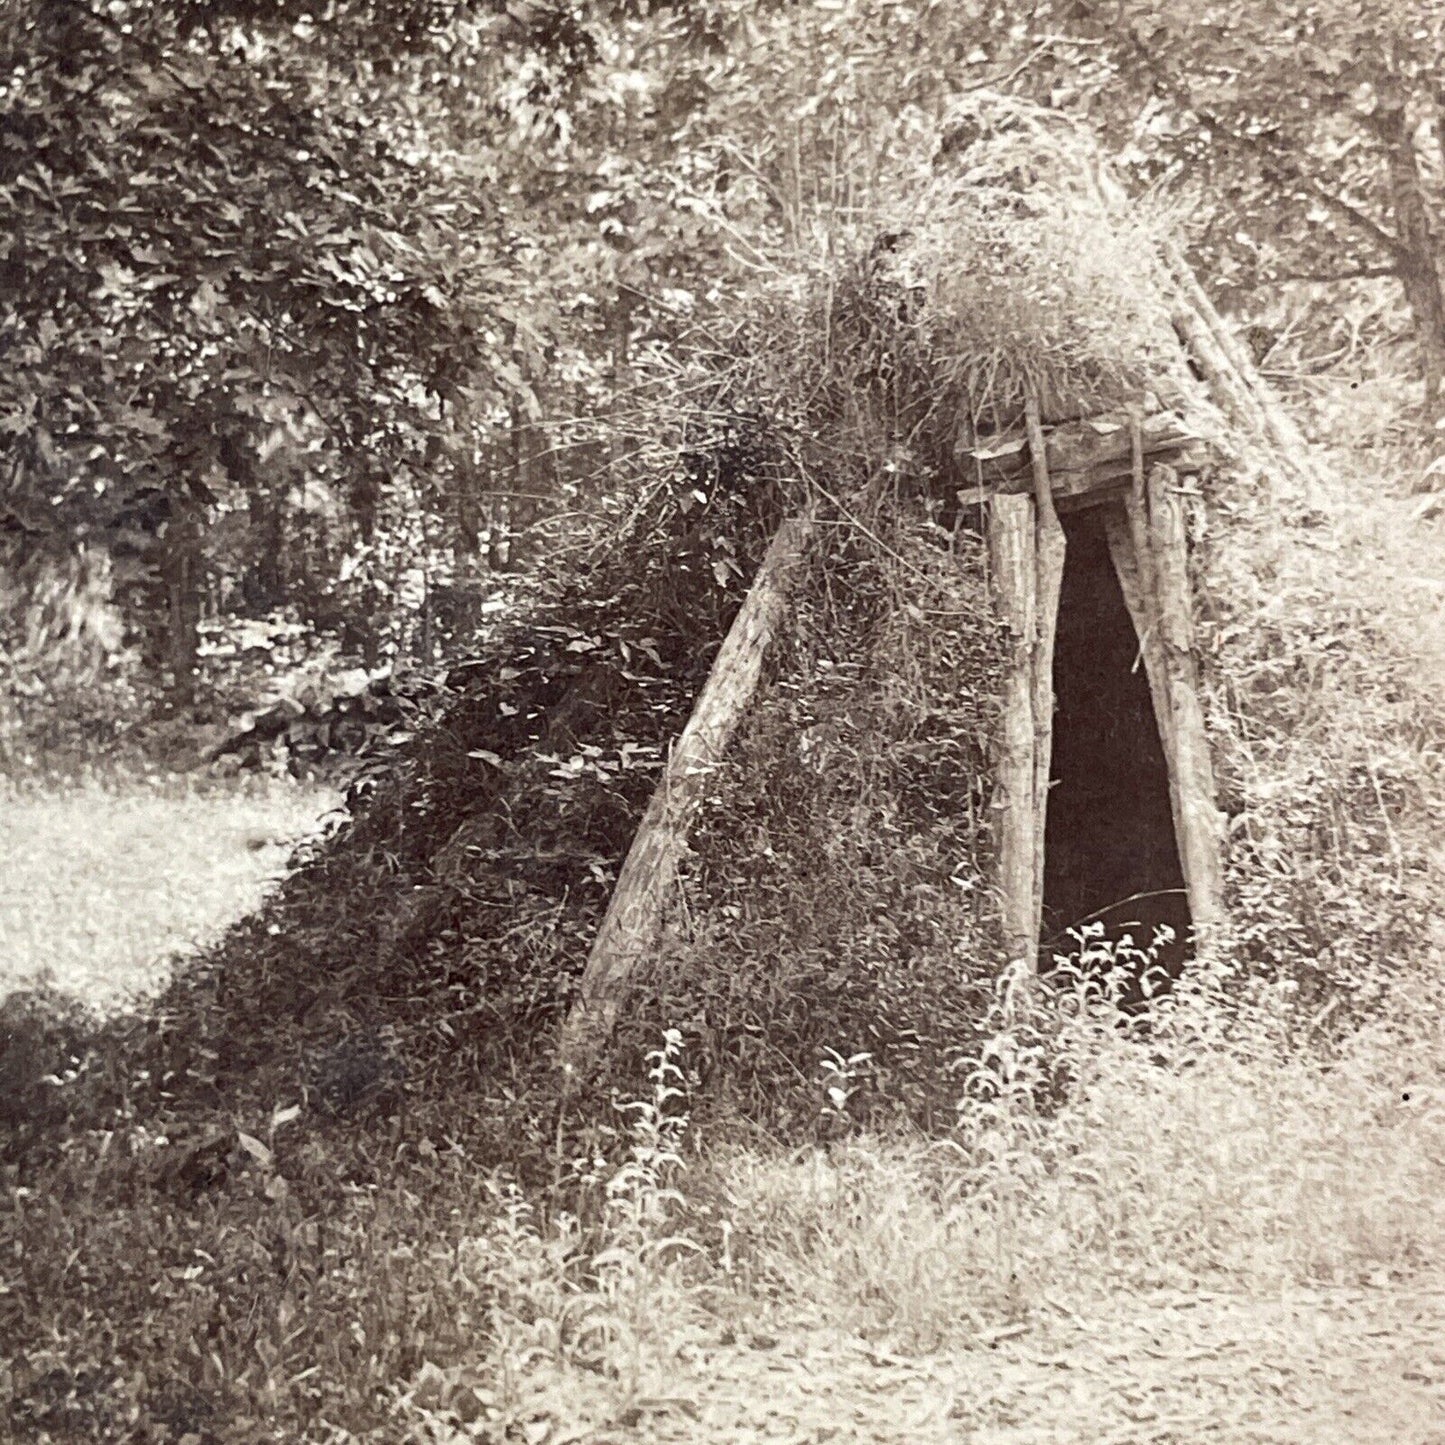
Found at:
(238, 251)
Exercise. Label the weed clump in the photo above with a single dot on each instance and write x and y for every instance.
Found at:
(43, 1042)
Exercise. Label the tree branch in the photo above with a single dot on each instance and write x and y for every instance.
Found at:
(1349, 273)
(997, 82)
(1354, 216)
(1391, 245)
(1292, 170)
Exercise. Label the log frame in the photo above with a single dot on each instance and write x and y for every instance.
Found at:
(1014, 579)
(1149, 551)
(1229, 367)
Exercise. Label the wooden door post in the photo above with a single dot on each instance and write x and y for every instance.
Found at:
(1150, 554)
(1198, 821)
(1011, 548)
(1049, 553)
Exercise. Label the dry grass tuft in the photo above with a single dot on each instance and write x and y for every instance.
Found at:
(1215, 1154)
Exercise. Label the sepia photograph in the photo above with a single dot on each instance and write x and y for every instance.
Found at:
(722, 722)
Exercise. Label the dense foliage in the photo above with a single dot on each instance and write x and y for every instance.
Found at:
(309, 318)
(1309, 131)
(273, 328)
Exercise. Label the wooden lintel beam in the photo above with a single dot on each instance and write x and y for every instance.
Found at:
(1074, 490)
(1114, 490)
(1082, 458)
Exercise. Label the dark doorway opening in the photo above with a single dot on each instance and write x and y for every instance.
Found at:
(1110, 851)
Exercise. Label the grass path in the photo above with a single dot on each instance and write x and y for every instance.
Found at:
(1329, 1366)
(99, 888)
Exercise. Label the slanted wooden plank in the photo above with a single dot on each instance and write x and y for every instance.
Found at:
(645, 885)
(1097, 447)
(1011, 546)
(1049, 553)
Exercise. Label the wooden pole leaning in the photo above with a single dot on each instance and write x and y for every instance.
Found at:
(646, 883)
(1234, 377)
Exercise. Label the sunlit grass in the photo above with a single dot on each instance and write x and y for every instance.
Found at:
(101, 887)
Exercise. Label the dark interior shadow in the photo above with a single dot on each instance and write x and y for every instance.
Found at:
(1110, 852)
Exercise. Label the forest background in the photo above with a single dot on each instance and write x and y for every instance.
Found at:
(322, 325)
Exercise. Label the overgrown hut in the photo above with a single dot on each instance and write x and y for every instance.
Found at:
(885, 669)
(1088, 563)
(1080, 483)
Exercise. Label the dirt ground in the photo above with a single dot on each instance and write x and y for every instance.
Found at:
(1309, 1367)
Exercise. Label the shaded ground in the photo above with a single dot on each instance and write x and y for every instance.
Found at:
(100, 889)
(1329, 1364)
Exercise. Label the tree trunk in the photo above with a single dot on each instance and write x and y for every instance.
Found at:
(468, 519)
(264, 586)
(620, 325)
(426, 640)
(499, 522)
(182, 570)
(1419, 272)
(639, 904)
(1012, 563)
